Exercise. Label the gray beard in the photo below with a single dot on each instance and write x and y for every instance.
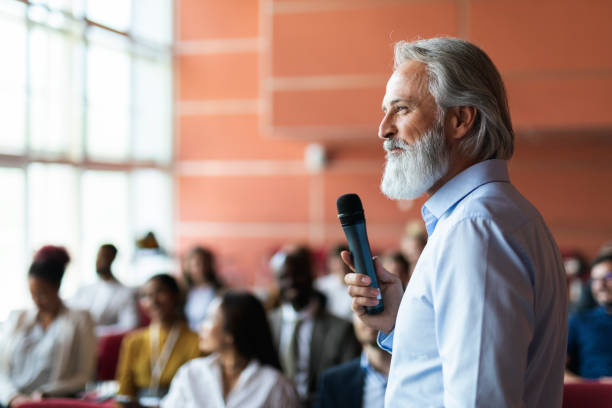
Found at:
(418, 167)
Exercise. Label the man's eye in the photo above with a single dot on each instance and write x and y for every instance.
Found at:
(401, 108)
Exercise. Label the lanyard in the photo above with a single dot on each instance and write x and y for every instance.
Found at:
(160, 360)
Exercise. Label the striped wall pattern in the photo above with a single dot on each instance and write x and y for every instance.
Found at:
(257, 81)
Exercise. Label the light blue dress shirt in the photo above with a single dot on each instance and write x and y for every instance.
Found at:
(483, 321)
(374, 384)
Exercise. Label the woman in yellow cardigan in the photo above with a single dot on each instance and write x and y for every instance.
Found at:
(150, 357)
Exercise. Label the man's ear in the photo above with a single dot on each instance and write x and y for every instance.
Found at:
(460, 120)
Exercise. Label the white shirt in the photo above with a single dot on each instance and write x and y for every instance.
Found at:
(198, 302)
(289, 319)
(198, 384)
(338, 300)
(68, 348)
(483, 321)
(32, 357)
(112, 306)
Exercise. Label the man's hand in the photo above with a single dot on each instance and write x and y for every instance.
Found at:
(363, 295)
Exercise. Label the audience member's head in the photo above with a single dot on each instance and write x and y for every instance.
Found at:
(201, 269)
(335, 264)
(106, 255)
(579, 294)
(163, 300)
(601, 280)
(238, 324)
(396, 263)
(413, 241)
(45, 277)
(606, 248)
(294, 276)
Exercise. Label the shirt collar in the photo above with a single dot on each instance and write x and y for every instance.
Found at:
(460, 186)
(288, 313)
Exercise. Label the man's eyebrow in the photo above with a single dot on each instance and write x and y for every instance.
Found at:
(409, 101)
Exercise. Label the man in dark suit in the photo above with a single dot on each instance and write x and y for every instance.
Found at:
(360, 382)
(308, 337)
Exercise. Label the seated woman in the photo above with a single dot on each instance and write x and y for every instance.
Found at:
(51, 349)
(200, 274)
(243, 369)
(150, 357)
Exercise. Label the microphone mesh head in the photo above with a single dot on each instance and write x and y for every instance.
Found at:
(349, 204)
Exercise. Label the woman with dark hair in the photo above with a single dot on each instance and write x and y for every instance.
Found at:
(242, 369)
(49, 350)
(150, 357)
(200, 273)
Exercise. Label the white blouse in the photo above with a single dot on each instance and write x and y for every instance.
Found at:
(198, 384)
(32, 357)
(57, 362)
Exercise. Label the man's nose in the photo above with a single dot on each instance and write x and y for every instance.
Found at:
(386, 129)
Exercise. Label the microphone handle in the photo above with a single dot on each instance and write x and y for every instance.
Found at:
(357, 238)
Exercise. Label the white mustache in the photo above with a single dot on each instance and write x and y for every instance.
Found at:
(391, 144)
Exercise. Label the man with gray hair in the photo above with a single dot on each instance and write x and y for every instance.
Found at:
(483, 320)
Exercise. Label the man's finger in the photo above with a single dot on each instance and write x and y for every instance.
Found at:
(359, 310)
(356, 279)
(347, 257)
(363, 291)
(382, 274)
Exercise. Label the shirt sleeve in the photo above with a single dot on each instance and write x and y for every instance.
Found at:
(176, 395)
(125, 369)
(483, 305)
(283, 395)
(385, 341)
(128, 316)
(7, 388)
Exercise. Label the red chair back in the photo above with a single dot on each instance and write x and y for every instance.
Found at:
(108, 355)
(587, 395)
(67, 403)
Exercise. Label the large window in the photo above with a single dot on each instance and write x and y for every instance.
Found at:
(85, 135)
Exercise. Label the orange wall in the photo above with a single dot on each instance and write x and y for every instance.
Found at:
(257, 81)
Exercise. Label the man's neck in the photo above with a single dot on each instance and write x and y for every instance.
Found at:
(107, 276)
(457, 164)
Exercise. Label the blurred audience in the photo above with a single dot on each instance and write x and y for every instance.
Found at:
(360, 382)
(113, 306)
(396, 263)
(308, 337)
(413, 242)
(589, 352)
(333, 287)
(200, 273)
(151, 356)
(242, 368)
(150, 258)
(48, 350)
(578, 286)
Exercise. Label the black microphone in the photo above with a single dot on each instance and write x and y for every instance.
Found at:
(350, 213)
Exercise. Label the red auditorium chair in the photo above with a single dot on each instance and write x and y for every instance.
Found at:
(108, 355)
(67, 403)
(587, 395)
